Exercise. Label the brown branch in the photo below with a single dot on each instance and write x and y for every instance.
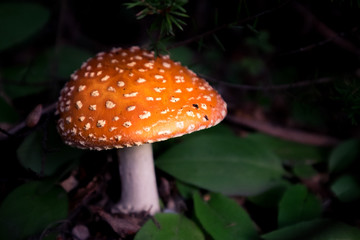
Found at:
(284, 132)
(305, 83)
(226, 25)
(23, 124)
(325, 30)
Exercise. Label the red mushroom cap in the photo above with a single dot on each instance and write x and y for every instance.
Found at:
(128, 97)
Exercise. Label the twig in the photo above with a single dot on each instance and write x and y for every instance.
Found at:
(327, 31)
(22, 125)
(223, 26)
(284, 132)
(280, 87)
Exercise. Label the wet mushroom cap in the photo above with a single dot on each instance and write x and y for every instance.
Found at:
(128, 97)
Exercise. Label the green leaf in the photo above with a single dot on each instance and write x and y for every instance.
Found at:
(223, 163)
(298, 205)
(67, 59)
(31, 208)
(343, 155)
(20, 21)
(32, 79)
(8, 113)
(346, 188)
(271, 197)
(186, 191)
(182, 54)
(21, 81)
(290, 152)
(32, 155)
(223, 218)
(319, 229)
(304, 171)
(170, 227)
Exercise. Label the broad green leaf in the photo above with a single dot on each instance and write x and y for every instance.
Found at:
(223, 218)
(67, 59)
(220, 129)
(319, 229)
(22, 81)
(34, 78)
(346, 188)
(183, 55)
(170, 227)
(252, 65)
(343, 155)
(225, 164)
(19, 21)
(8, 113)
(271, 197)
(290, 152)
(185, 190)
(31, 208)
(304, 171)
(298, 205)
(48, 160)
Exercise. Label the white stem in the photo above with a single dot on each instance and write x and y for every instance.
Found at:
(138, 182)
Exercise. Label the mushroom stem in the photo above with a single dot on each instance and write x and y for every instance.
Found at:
(138, 182)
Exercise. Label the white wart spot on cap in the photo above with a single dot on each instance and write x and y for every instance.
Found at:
(105, 78)
(112, 129)
(100, 123)
(127, 124)
(180, 124)
(68, 120)
(131, 64)
(81, 88)
(78, 104)
(109, 104)
(130, 108)
(190, 113)
(95, 93)
(141, 80)
(167, 65)
(149, 65)
(174, 99)
(120, 83)
(133, 94)
(87, 126)
(92, 107)
(179, 79)
(146, 114)
(165, 132)
(111, 89)
(208, 98)
(159, 89)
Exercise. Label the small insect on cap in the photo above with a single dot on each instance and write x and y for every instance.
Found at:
(129, 97)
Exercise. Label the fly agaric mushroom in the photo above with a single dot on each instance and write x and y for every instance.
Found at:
(128, 99)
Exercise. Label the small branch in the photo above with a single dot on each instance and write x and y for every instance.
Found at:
(226, 25)
(326, 31)
(280, 87)
(284, 132)
(23, 124)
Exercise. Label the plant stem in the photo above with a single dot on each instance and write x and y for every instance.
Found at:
(138, 182)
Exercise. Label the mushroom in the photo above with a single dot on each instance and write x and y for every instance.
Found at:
(128, 99)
